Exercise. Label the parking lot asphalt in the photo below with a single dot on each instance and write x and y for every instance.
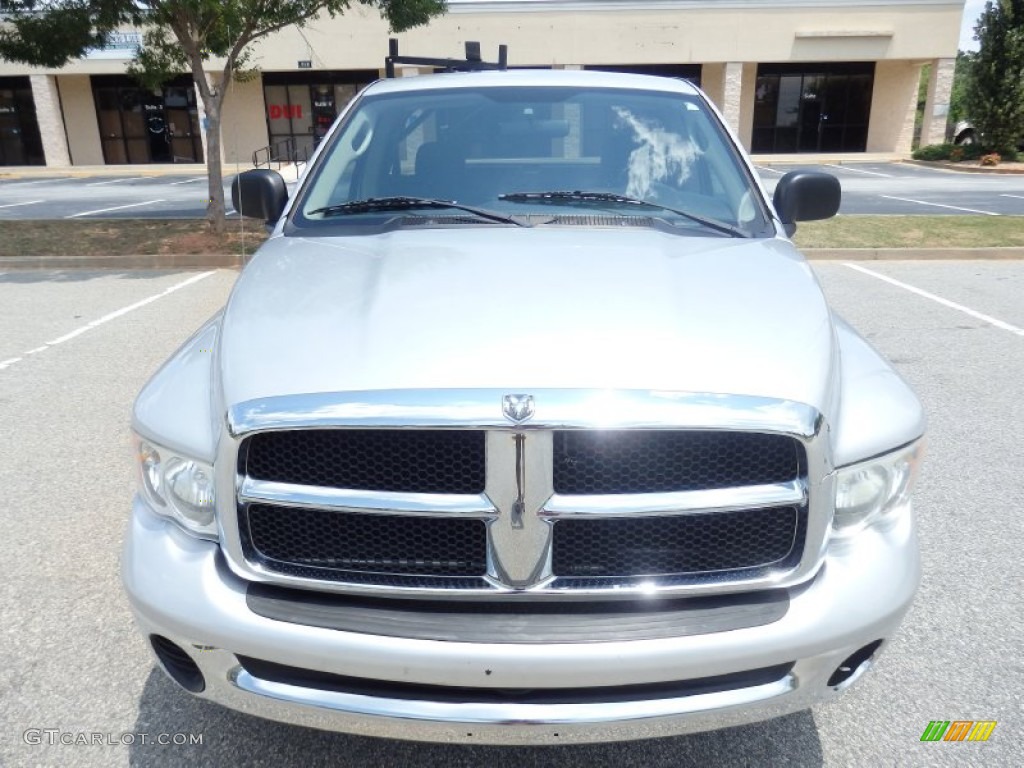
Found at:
(76, 346)
(868, 188)
(913, 190)
(173, 196)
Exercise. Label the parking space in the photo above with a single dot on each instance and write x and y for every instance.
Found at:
(912, 190)
(72, 660)
(121, 196)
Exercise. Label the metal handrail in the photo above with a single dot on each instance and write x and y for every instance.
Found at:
(272, 154)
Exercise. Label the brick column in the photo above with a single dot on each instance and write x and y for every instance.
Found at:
(732, 94)
(51, 122)
(936, 106)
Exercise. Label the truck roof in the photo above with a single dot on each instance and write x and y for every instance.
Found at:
(532, 77)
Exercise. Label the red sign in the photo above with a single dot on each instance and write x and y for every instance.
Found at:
(279, 111)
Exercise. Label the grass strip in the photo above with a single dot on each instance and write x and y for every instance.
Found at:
(144, 237)
(912, 232)
(125, 237)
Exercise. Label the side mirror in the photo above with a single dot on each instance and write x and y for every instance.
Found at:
(806, 196)
(259, 193)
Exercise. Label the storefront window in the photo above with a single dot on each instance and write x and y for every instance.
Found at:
(812, 108)
(141, 126)
(301, 107)
(19, 131)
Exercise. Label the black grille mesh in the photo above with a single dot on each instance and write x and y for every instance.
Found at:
(679, 544)
(287, 537)
(596, 462)
(413, 461)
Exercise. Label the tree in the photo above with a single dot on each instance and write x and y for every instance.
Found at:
(179, 35)
(995, 98)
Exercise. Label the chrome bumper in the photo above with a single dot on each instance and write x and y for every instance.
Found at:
(180, 588)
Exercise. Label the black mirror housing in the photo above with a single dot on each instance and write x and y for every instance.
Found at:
(259, 193)
(806, 196)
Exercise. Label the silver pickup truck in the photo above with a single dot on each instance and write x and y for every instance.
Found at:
(527, 425)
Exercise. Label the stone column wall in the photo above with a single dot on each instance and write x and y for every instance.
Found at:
(50, 120)
(936, 106)
(732, 94)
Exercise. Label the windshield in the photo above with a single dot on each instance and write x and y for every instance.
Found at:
(483, 148)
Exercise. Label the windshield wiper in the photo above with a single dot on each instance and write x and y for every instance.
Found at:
(558, 196)
(374, 204)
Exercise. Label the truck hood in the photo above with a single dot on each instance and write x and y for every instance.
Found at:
(523, 309)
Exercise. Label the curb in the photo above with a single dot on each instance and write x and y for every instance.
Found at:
(161, 261)
(961, 168)
(912, 254)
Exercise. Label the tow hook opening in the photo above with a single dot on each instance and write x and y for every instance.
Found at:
(855, 665)
(178, 664)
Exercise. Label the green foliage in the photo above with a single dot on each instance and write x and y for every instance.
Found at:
(934, 152)
(954, 152)
(995, 96)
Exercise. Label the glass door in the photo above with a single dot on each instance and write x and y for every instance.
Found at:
(824, 109)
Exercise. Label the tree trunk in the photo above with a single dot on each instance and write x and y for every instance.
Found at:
(215, 211)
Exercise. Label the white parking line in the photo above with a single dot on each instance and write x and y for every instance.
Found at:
(938, 299)
(130, 308)
(187, 181)
(939, 205)
(108, 317)
(115, 208)
(15, 205)
(763, 169)
(112, 181)
(858, 170)
(20, 183)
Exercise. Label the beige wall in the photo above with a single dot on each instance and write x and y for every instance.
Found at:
(712, 82)
(893, 105)
(692, 33)
(244, 126)
(80, 119)
(647, 32)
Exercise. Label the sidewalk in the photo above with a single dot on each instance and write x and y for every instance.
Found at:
(289, 171)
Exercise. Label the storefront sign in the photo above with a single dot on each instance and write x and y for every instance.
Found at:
(281, 111)
(120, 45)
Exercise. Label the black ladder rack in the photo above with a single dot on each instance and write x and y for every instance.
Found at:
(472, 63)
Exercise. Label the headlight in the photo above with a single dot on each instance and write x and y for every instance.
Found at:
(178, 487)
(867, 492)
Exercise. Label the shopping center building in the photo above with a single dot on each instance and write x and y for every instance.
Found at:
(790, 76)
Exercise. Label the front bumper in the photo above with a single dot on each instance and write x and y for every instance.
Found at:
(181, 589)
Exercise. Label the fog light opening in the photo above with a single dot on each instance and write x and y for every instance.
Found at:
(178, 664)
(853, 667)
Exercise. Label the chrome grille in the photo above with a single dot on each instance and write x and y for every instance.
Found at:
(333, 544)
(412, 461)
(676, 545)
(434, 493)
(623, 461)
